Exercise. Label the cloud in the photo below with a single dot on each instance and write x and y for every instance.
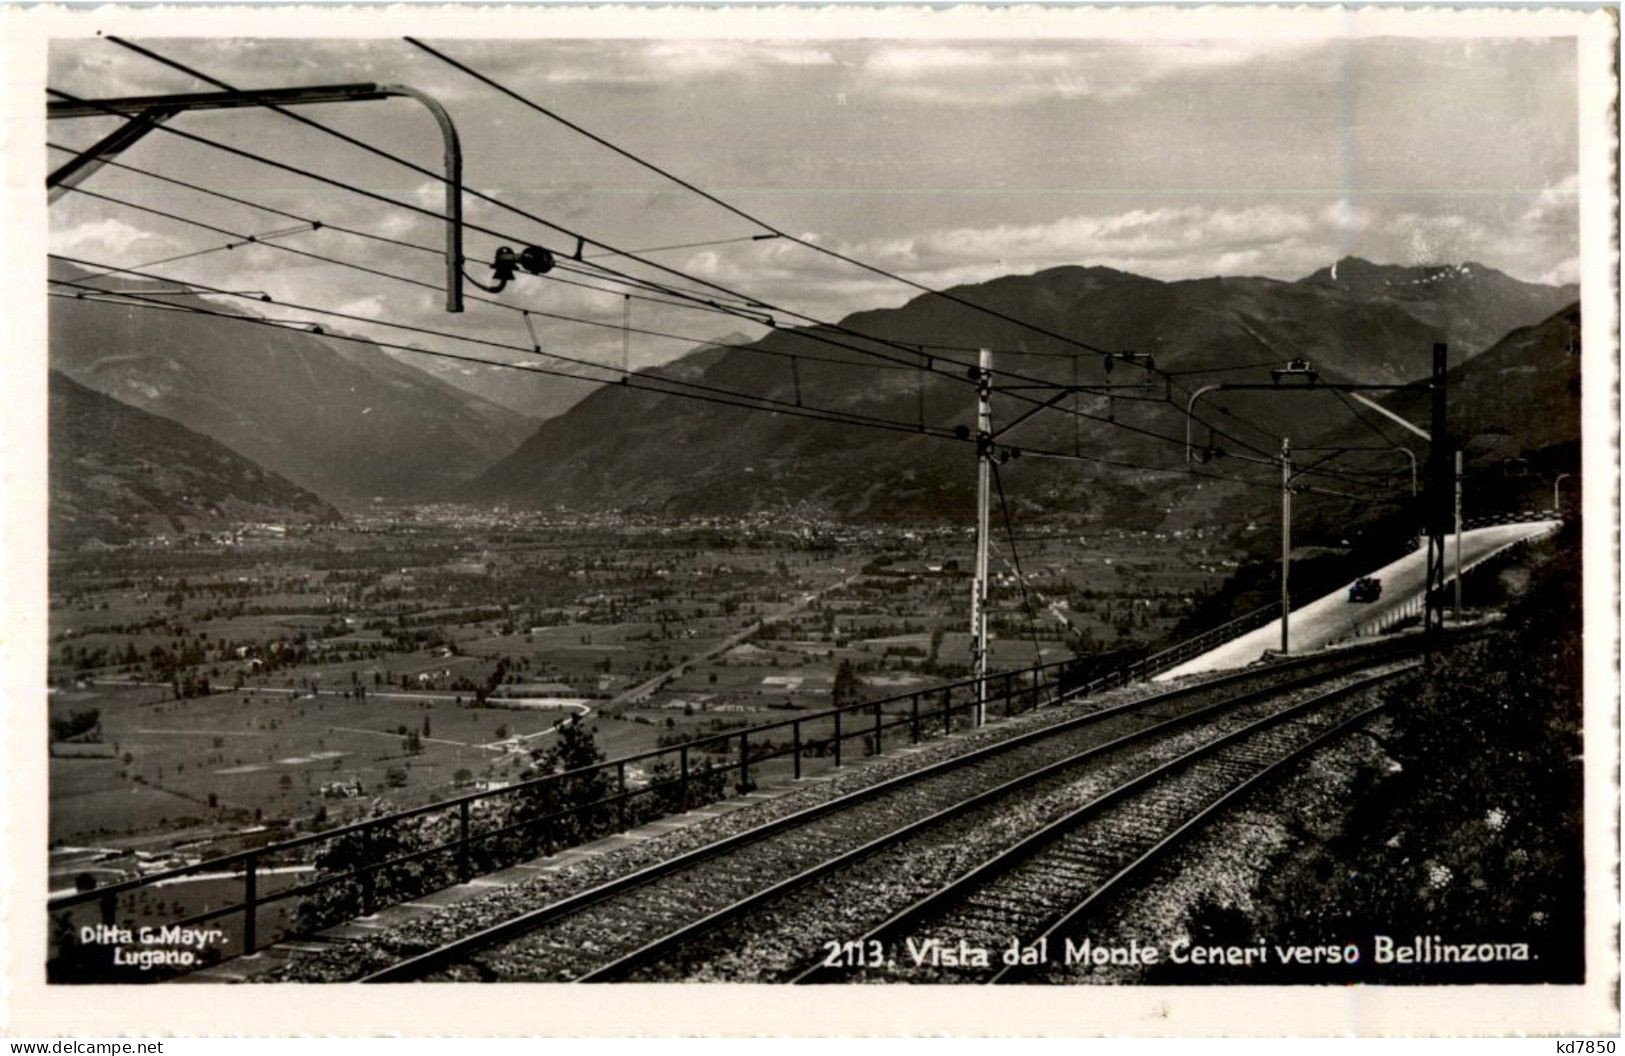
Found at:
(1344, 215)
(714, 57)
(985, 74)
(928, 60)
(1283, 241)
(1555, 209)
(372, 306)
(110, 240)
(1567, 271)
(646, 65)
(1171, 192)
(1013, 73)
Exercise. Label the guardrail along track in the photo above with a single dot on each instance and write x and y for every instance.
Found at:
(1034, 894)
(614, 928)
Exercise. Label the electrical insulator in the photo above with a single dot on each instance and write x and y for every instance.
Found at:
(502, 267)
(536, 260)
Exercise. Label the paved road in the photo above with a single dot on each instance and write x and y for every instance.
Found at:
(1334, 617)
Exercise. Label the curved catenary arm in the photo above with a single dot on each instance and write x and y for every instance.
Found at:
(143, 113)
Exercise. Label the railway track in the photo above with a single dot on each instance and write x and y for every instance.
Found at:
(1034, 895)
(636, 925)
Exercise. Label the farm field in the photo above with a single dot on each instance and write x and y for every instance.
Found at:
(202, 691)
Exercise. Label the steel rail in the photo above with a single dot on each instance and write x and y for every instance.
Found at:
(999, 865)
(623, 966)
(1064, 924)
(449, 953)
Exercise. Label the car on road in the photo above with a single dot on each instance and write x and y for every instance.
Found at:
(1366, 588)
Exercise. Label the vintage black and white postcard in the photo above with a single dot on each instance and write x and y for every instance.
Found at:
(1117, 506)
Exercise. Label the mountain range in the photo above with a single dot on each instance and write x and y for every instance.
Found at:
(621, 448)
(350, 422)
(338, 417)
(118, 472)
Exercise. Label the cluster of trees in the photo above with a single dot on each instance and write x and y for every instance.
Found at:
(545, 815)
(79, 723)
(548, 815)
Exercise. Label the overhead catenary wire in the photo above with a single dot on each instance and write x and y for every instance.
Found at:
(331, 181)
(685, 245)
(581, 240)
(438, 251)
(423, 210)
(378, 272)
(650, 383)
(654, 384)
(736, 210)
(429, 331)
(395, 276)
(691, 303)
(527, 313)
(1015, 560)
(765, 225)
(246, 240)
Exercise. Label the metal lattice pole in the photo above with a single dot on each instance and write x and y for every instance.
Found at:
(984, 468)
(1286, 542)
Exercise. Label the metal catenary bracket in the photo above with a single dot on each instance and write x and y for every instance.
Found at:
(146, 112)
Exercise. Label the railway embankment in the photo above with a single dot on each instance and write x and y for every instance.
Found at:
(1445, 844)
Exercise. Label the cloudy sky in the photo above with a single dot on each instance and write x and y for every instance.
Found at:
(947, 161)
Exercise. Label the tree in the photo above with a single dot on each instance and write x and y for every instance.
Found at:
(86, 722)
(847, 684)
(572, 803)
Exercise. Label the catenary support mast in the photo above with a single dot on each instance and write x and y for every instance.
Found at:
(1438, 503)
(1286, 542)
(984, 469)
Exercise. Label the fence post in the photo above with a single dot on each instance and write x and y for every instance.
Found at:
(947, 713)
(620, 798)
(837, 739)
(914, 719)
(795, 735)
(251, 904)
(744, 765)
(465, 866)
(109, 905)
(367, 877)
(877, 728)
(1009, 691)
(682, 755)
